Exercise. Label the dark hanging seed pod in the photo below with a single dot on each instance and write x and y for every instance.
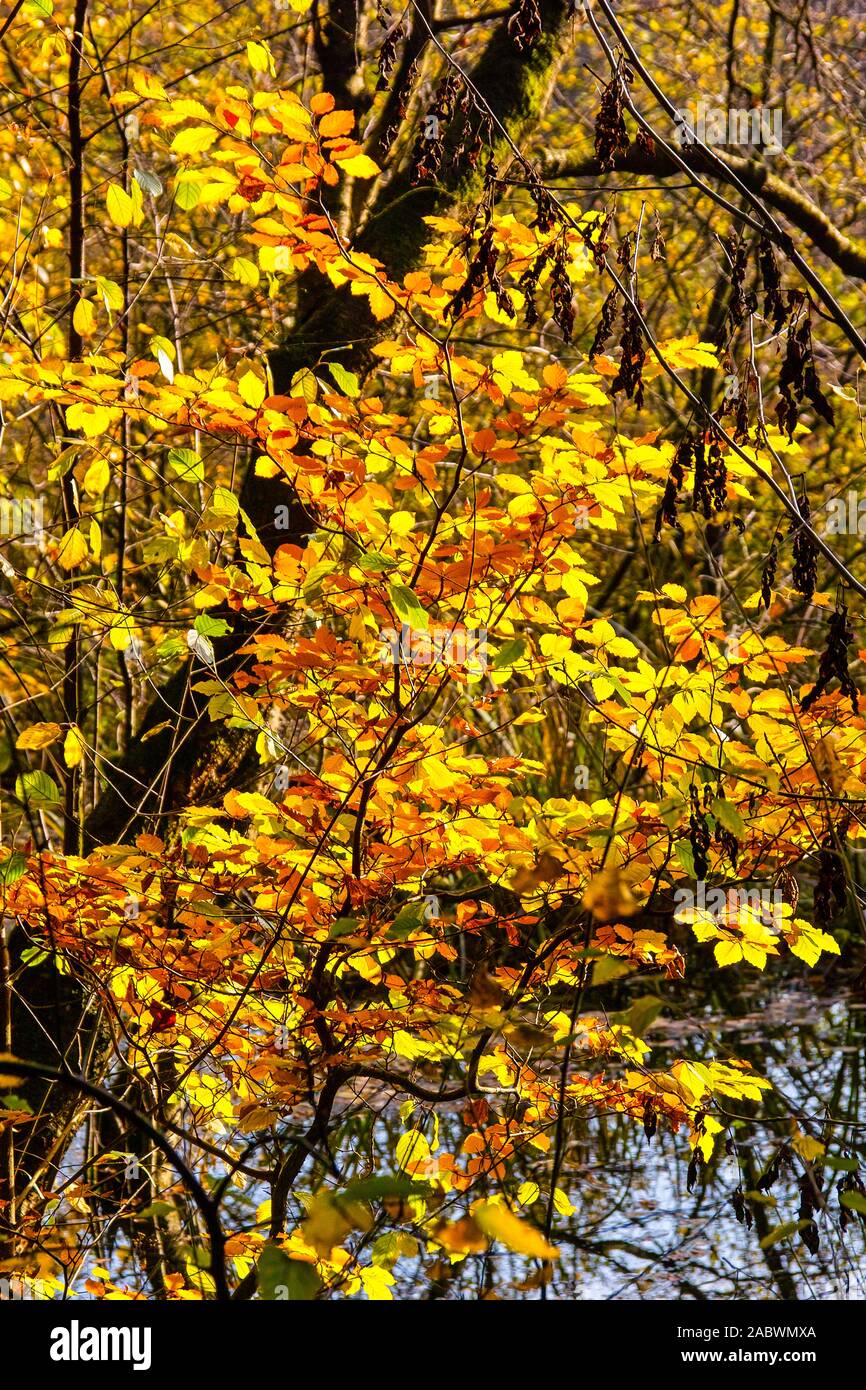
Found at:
(629, 377)
(768, 575)
(524, 26)
(771, 1173)
(804, 574)
(561, 290)
(799, 376)
(834, 661)
(528, 283)
(388, 55)
(699, 836)
(740, 302)
(774, 303)
(668, 514)
(430, 146)
(741, 1211)
(694, 1170)
(611, 136)
(605, 323)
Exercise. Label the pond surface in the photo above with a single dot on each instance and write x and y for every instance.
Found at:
(636, 1232)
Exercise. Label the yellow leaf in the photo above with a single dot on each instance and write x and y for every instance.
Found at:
(38, 736)
(259, 56)
(252, 389)
(381, 303)
(360, 166)
(73, 747)
(243, 804)
(497, 1222)
(806, 1147)
(193, 140)
(119, 205)
(413, 1153)
(561, 1202)
(88, 417)
(461, 1237)
(729, 953)
(97, 477)
(245, 271)
(121, 633)
(73, 549)
(83, 318)
(329, 1220)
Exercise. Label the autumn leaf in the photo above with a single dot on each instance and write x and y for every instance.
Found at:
(608, 896)
(74, 747)
(360, 166)
(337, 123)
(73, 549)
(38, 736)
(84, 318)
(119, 206)
(97, 476)
(497, 1222)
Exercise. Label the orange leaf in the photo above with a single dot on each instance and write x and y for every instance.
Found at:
(336, 123)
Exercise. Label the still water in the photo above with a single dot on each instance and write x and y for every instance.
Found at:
(636, 1232)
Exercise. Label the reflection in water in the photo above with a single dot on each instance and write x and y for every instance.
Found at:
(636, 1232)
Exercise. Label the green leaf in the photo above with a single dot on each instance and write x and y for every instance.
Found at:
(670, 811)
(375, 564)
(854, 1201)
(63, 462)
(12, 869)
(344, 926)
(33, 955)
(347, 381)
(780, 1233)
(187, 194)
(186, 463)
(37, 789)
(224, 502)
(169, 648)
(509, 654)
(407, 921)
(17, 1103)
(281, 1277)
(842, 1165)
(112, 294)
(729, 817)
(610, 968)
(160, 1209)
(619, 688)
(210, 627)
(642, 1014)
(407, 607)
(683, 852)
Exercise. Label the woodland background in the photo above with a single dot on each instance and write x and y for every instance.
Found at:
(432, 586)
